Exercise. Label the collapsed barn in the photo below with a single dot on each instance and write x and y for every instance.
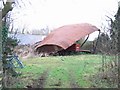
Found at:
(64, 39)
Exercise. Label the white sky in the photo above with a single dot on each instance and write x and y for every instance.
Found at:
(36, 14)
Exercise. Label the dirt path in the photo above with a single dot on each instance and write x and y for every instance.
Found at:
(41, 81)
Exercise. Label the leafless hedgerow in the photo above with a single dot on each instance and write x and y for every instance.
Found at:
(108, 46)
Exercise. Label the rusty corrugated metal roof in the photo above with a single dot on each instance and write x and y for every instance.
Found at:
(67, 35)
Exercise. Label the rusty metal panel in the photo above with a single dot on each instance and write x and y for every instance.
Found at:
(67, 35)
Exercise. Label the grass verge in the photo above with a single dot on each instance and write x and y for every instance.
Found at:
(62, 72)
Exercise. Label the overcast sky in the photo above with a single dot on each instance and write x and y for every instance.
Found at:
(36, 14)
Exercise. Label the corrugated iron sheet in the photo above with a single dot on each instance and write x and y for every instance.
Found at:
(65, 36)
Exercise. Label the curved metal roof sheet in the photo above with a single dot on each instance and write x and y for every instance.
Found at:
(67, 35)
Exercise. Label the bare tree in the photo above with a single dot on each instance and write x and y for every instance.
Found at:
(109, 47)
(7, 6)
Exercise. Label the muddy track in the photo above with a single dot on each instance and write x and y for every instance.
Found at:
(40, 83)
(73, 83)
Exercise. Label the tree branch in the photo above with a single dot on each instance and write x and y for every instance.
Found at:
(7, 8)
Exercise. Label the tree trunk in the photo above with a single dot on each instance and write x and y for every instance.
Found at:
(1, 49)
(118, 48)
(118, 41)
(6, 9)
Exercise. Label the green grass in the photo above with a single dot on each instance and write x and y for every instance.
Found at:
(61, 70)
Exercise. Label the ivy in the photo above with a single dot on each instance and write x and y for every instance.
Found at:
(4, 38)
(8, 45)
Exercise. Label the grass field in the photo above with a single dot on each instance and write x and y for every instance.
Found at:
(60, 72)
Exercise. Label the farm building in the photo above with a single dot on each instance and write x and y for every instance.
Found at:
(64, 37)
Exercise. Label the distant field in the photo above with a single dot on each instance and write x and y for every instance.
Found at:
(60, 72)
